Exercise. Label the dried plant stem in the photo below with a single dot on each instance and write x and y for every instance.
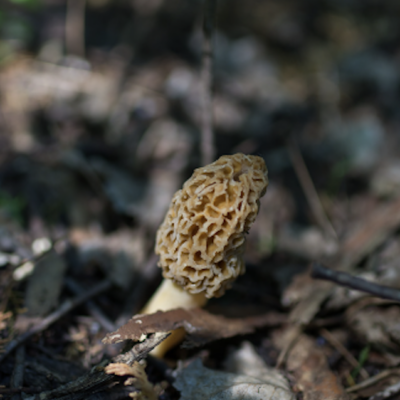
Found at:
(309, 190)
(65, 307)
(345, 279)
(344, 352)
(207, 134)
(374, 379)
(75, 27)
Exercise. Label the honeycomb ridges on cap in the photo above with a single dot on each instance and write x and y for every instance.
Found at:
(201, 241)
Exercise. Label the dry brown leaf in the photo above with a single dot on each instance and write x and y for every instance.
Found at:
(367, 235)
(199, 383)
(201, 326)
(138, 378)
(119, 369)
(376, 321)
(246, 361)
(310, 369)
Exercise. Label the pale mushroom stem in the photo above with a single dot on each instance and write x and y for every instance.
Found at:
(168, 296)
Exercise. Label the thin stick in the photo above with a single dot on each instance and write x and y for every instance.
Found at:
(374, 379)
(92, 308)
(65, 307)
(345, 279)
(207, 135)
(75, 27)
(344, 352)
(309, 189)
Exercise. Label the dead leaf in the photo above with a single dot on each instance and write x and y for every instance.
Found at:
(201, 326)
(199, 383)
(377, 323)
(246, 361)
(138, 378)
(311, 371)
(368, 234)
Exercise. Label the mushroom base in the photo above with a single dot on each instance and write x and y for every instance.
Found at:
(168, 296)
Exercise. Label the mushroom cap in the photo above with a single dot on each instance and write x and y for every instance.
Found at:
(201, 241)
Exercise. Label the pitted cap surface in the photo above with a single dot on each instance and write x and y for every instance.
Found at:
(201, 241)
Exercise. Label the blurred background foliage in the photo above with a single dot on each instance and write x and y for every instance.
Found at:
(101, 101)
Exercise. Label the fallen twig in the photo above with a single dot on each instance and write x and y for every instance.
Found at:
(368, 234)
(372, 380)
(344, 279)
(65, 307)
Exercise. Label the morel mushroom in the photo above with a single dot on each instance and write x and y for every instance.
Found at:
(201, 241)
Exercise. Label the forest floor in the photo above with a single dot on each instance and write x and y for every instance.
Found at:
(100, 124)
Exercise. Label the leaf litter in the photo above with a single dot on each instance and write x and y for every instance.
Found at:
(93, 148)
(249, 378)
(201, 326)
